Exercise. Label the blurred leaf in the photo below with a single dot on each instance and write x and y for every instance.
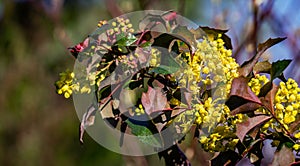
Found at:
(278, 67)
(154, 100)
(225, 158)
(216, 32)
(164, 40)
(247, 67)
(240, 94)
(144, 134)
(262, 67)
(174, 156)
(244, 127)
(284, 156)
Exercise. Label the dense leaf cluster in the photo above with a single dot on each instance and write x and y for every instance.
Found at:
(147, 82)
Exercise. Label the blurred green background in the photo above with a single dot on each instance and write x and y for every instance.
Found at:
(39, 127)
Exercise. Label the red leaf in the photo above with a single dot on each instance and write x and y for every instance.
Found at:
(241, 89)
(247, 67)
(154, 100)
(244, 127)
(268, 100)
(245, 108)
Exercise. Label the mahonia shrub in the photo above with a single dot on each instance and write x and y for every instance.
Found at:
(186, 78)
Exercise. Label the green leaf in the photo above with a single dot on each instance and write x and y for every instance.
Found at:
(247, 67)
(125, 39)
(163, 69)
(168, 65)
(278, 67)
(144, 134)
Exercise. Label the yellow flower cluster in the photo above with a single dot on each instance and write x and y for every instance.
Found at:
(212, 65)
(287, 101)
(185, 121)
(101, 23)
(221, 126)
(65, 83)
(222, 139)
(209, 113)
(120, 25)
(140, 110)
(154, 58)
(257, 83)
(297, 145)
(286, 105)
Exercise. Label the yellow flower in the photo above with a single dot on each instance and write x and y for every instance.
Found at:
(279, 106)
(205, 70)
(288, 119)
(297, 135)
(296, 147)
(203, 139)
(64, 85)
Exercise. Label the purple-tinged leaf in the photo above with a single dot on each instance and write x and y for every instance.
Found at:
(154, 100)
(244, 127)
(248, 66)
(245, 108)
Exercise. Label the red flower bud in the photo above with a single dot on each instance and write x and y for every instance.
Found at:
(75, 50)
